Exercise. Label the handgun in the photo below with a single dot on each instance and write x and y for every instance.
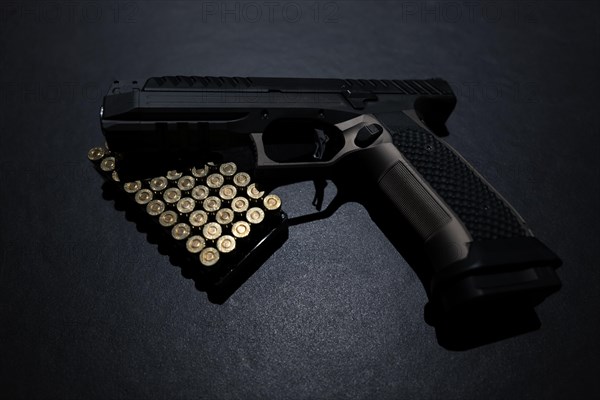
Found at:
(379, 141)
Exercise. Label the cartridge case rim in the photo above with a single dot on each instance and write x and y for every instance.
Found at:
(193, 220)
(212, 231)
(241, 179)
(225, 221)
(240, 208)
(181, 231)
(143, 196)
(211, 203)
(272, 202)
(186, 205)
(235, 230)
(195, 249)
(172, 198)
(96, 153)
(204, 256)
(158, 183)
(200, 172)
(253, 192)
(226, 244)
(174, 175)
(155, 207)
(181, 183)
(227, 192)
(215, 181)
(132, 187)
(255, 215)
(168, 214)
(108, 164)
(205, 192)
(228, 169)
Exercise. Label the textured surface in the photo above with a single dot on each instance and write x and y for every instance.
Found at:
(89, 309)
(482, 212)
(223, 83)
(415, 203)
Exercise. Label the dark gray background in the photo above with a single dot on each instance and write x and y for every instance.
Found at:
(90, 309)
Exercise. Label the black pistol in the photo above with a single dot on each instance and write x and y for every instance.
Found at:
(469, 246)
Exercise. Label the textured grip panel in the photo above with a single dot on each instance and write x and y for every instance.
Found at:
(485, 215)
(413, 201)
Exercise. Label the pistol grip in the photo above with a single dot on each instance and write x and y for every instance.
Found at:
(478, 251)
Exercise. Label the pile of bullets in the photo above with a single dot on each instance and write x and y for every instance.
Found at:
(210, 209)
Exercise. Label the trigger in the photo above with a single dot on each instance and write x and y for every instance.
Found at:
(321, 140)
(320, 185)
